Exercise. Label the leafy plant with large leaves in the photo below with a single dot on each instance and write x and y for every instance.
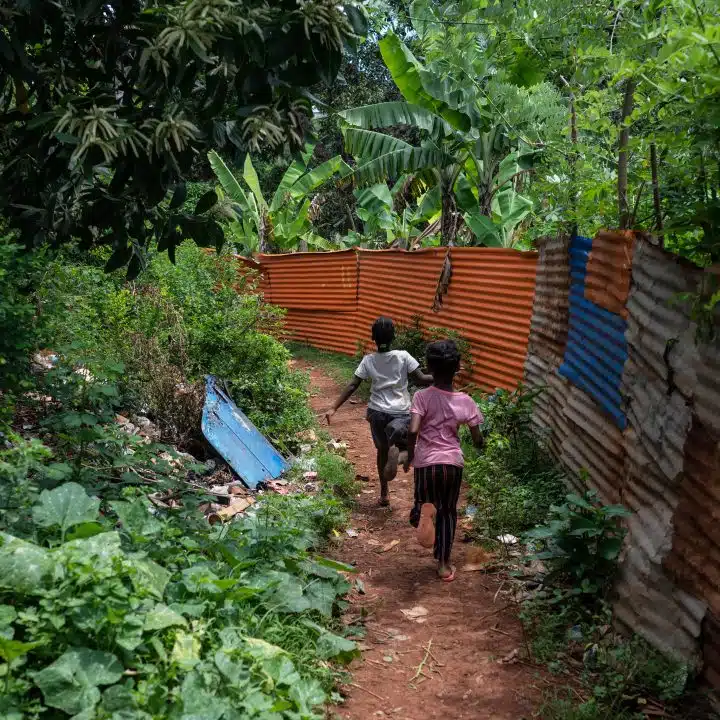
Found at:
(470, 159)
(105, 108)
(285, 222)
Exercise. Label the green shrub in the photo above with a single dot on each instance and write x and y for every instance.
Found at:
(338, 476)
(513, 481)
(18, 336)
(414, 339)
(200, 316)
(581, 543)
(161, 615)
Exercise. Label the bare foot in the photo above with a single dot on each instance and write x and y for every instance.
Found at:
(426, 526)
(446, 572)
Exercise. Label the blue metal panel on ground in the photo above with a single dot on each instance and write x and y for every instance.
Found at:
(596, 349)
(237, 440)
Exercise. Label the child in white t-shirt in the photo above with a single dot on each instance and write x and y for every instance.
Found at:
(389, 406)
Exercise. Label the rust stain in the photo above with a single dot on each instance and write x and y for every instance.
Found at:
(609, 268)
(694, 560)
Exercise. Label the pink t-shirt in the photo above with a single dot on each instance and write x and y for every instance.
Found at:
(442, 412)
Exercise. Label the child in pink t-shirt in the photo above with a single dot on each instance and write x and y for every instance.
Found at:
(435, 453)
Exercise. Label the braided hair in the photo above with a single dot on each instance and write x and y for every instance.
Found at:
(443, 359)
(383, 333)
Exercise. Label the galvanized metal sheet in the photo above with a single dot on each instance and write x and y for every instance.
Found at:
(596, 349)
(549, 324)
(237, 440)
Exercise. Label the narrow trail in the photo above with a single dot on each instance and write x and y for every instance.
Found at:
(467, 631)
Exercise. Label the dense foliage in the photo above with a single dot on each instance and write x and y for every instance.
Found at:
(117, 598)
(176, 324)
(105, 108)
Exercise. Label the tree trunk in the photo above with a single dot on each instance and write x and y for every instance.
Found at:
(656, 187)
(627, 108)
(449, 220)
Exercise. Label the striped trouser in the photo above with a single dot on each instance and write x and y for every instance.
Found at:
(440, 485)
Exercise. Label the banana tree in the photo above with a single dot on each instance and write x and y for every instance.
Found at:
(383, 212)
(468, 159)
(285, 222)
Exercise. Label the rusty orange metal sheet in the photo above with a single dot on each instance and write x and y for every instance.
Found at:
(489, 300)
(312, 281)
(607, 281)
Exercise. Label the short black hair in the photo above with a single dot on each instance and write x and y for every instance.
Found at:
(383, 332)
(443, 359)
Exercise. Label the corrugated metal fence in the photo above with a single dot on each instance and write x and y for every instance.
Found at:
(333, 298)
(631, 405)
(632, 397)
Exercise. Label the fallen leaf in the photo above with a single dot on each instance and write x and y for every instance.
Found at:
(416, 613)
(389, 546)
(511, 657)
(388, 658)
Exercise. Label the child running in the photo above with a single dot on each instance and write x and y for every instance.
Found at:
(434, 451)
(389, 407)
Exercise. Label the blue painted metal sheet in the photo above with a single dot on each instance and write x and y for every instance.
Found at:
(596, 349)
(237, 440)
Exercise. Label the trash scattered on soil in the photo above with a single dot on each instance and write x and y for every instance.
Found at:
(339, 448)
(237, 506)
(508, 539)
(352, 533)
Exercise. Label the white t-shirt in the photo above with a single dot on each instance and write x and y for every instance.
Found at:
(388, 372)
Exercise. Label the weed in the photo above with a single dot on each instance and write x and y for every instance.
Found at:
(338, 476)
(581, 544)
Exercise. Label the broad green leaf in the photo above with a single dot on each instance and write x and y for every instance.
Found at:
(228, 181)
(233, 667)
(307, 694)
(367, 144)
(484, 229)
(388, 114)
(186, 650)
(148, 577)
(514, 164)
(253, 182)
(511, 209)
(71, 682)
(261, 649)
(24, 567)
(85, 530)
(334, 564)
(406, 72)
(401, 162)
(12, 649)
(65, 506)
(161, 617)
(330, 646)
(136, 518)
(100, 550)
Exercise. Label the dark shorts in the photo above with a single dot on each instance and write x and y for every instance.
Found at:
(388, 429)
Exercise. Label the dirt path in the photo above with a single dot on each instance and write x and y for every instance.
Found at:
(468, 630)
